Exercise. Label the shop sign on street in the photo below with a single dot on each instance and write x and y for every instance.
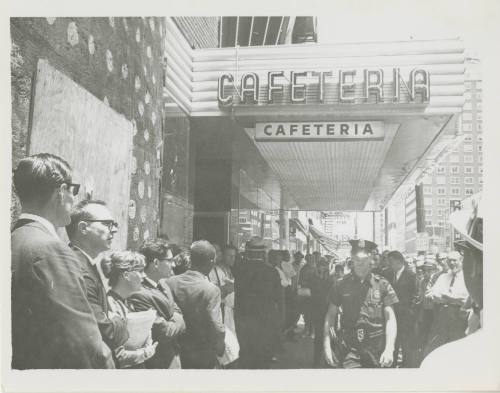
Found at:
(319, 131)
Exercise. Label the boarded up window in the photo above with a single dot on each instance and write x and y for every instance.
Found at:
(96, 141)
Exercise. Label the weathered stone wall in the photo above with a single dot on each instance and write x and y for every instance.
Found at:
(120, 61)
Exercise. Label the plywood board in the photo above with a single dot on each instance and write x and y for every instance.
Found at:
(97, 141)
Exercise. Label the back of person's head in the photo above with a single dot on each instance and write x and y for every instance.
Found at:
(298, 256)
(154, 249)
(274, 256)
(80, 213)
(397, 256)
(182, 262)
(339, 269)
(255, 249)
(285, 255)
(124, 261)
(38, 176)
(202, 255)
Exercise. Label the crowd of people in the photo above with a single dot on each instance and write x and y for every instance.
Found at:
(214, 307)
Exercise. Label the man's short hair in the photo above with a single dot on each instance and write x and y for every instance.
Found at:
(202, 253)
(80, 213)
(273, 255)
(397, 256)
(229, 246)
(37, 176)
(155, 249)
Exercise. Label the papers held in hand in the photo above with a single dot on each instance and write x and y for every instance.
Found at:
(139, 328)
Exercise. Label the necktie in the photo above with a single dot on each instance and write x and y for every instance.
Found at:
(452, 281)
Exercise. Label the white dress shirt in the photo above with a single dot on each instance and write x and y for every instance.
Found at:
(443, 286)
(398, 273)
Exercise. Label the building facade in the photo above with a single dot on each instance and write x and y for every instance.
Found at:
(460, 174)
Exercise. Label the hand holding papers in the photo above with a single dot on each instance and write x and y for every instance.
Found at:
(139, 328)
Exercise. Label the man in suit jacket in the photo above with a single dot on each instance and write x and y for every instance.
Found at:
(91, 232)
(155, 294)
(200, 302)
(258, 304)
(52, 322)
(404, 282)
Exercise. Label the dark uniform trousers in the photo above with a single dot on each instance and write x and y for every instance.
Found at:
(361, 339)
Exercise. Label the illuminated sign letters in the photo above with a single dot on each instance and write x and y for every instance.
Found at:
(353, 87)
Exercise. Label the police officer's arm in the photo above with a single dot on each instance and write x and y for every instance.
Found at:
(334, 300)
(329, 333)
(390, 337)
(391, 328)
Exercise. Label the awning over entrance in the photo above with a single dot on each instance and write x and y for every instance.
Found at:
(307, 108)
(328, 243)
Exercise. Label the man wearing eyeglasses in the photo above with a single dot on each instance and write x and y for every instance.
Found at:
(91, 232)
(472, 355)
(156, 294)
(53, 325)
(449, 294)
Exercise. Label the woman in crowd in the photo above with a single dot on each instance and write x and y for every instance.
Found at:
(126, 271)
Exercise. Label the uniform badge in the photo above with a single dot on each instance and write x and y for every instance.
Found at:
(361, 335)
(376, 294)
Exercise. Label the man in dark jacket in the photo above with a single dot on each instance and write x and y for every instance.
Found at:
(52, 322)
(404, 282)
(200, 302)
(91, 232)
(258, 305)
(156, 295)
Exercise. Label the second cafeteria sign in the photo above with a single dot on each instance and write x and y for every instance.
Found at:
(319, 131)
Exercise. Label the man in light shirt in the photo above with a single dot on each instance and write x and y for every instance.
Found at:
(472, 355)
(449, 295)
(53, 325)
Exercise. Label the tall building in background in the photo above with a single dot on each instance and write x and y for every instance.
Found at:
(460, 173)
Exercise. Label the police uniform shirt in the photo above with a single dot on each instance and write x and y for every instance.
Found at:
(349, 293)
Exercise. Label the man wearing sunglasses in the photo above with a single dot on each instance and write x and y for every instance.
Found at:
(91, 232)
(52, 322)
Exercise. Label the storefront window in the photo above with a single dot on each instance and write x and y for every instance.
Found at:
(177, 207)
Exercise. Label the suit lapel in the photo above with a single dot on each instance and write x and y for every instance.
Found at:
(92, 269)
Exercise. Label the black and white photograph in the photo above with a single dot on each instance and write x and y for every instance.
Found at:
(282, 195)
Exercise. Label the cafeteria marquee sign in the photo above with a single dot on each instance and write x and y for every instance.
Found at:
(311, 87)
(319, 131)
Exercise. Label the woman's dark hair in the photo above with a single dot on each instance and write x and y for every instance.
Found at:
(154, 249)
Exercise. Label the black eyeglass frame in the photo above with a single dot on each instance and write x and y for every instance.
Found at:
(109, 223)
(76, 187)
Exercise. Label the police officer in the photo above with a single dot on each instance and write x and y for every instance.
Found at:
(368, 327)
